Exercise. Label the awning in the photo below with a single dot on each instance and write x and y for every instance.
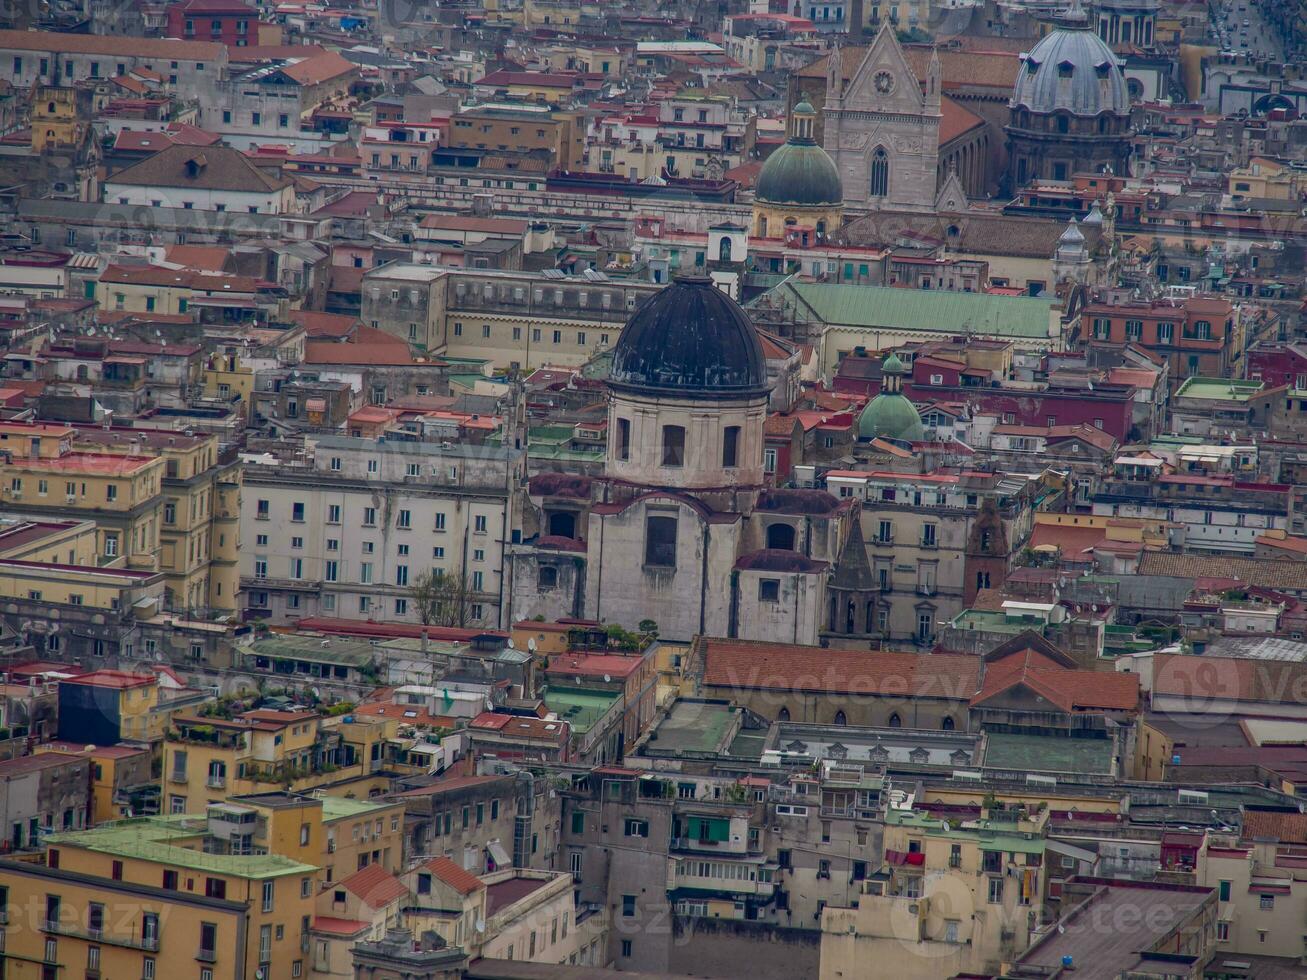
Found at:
(315, 405)
(498, 855)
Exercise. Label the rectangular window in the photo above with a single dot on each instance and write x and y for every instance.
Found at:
(628, 906)
(673, 445)
(405, 521)
(660, 542)
(333, 513)
(267, 896)
(623, 439)
(635, 828)
(769, 590)
(730, 446)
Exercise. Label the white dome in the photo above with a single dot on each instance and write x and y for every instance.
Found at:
(1071, 70)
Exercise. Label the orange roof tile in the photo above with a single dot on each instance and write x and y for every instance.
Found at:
(464, 882)
(376, 886)
(787, 667)
(1071, 690)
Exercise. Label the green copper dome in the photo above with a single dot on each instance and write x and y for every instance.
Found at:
(800, 172)
(890, 415)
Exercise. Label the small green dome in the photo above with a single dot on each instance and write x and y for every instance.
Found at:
(890, 416)
(893, 365)
(804, 108)
(802, 173)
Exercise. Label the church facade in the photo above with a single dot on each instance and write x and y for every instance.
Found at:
(682, 527)
(882, 129)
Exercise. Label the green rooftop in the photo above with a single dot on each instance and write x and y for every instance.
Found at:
(1047, 753)
(330, 650)
(1219, 389)
(996, 621)
(580, 709)
(693, 725)
(339, 807)
(989, 835)
(927, 310)
(150, 839)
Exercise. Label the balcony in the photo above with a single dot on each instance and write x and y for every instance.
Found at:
(178, 777)
(148, 944)
(207, 955)
(216, 782)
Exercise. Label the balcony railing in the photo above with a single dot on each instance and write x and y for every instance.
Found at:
(178, 777)
(216, 782)
(207, 955)
(148, 944)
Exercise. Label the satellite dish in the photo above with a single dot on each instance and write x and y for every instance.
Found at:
(531, 644)
(607, 679)
(510, 643)
(315, 692)
(481, 925)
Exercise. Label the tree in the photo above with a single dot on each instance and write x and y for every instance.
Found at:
(648, 627)
(440, 599)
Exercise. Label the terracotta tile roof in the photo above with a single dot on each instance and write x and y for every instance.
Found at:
(119, 679)
(53, 42)
(1071, 690)
(329, 352)
(520, 726)
(376, 886)
(215, 168)
(339, 927)
(786, 667)
(464, 882)
(1287, 828)
(1270, 573)
(593, 665)
(955, 120)
(318, 68)
(1206, 679)
(957, 69)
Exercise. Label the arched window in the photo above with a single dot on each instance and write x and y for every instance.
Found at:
(895, 721)
(879, 172)
(563, 524)
(946, 724)
(724, 249)
(821, 229)
(783, 714)
(780, 536)
(840, 719)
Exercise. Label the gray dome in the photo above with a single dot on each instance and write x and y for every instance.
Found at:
(690, 338)
(1071, 70)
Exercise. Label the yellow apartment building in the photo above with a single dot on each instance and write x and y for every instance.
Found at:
(224, 377)
(358, 834)
(113, 589)
(62, 542)
(42, 473)
(209, 759)
(120, 774)
(189, 856)
(1264, 179)
(947, 900)
(199, 529)
(72, 923)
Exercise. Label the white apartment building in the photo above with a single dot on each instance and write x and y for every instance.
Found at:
(347, 534)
